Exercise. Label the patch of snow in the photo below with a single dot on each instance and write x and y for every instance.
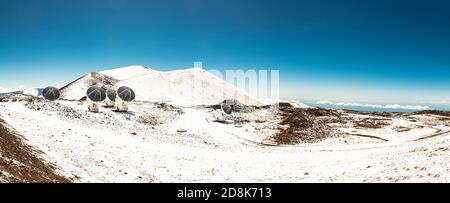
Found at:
(298, 104)
(129, 72)
(114, 147)
(6, 90)
(31, 92)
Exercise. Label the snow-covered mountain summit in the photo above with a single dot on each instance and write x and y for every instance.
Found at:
(185, 87)
(129, 72)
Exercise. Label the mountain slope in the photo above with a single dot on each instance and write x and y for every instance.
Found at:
(126, 73)
(77, 89)
(186, 87)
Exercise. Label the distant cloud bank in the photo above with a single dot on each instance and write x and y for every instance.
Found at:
(377, 106)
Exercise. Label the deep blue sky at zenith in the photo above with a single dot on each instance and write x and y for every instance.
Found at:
(370, 50)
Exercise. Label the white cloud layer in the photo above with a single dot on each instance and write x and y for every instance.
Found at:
(378, 106)
(4, 90)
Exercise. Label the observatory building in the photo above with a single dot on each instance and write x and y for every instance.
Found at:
(51, 93)
(124, 95)
(111, 95)
(226, 108)
(94, 96)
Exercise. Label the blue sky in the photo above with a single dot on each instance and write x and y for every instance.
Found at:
(372, 50)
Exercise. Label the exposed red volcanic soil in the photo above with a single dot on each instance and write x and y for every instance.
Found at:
(19, 164)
